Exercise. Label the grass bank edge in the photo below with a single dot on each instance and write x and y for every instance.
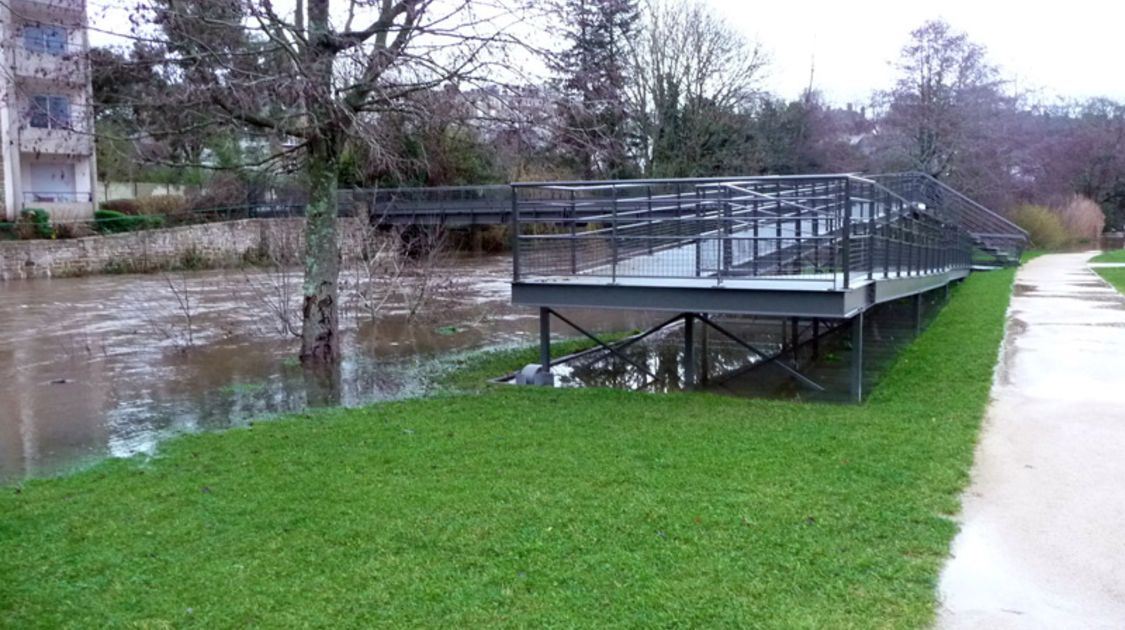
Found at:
(1114, 256)
(1114, 276)
(850, 526)
(471, 374)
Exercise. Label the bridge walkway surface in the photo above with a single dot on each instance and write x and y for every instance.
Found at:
(808, 248)
(1041, 540)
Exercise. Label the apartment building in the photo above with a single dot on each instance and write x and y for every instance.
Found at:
(46, 113)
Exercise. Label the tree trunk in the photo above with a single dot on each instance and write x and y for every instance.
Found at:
(320, 343)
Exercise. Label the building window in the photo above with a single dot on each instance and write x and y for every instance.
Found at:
(45, 39)
(50, 112)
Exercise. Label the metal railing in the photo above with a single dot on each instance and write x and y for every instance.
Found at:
(834, 229)
(992, 233)
(47, 122)
(432, 205)
(43, 196)
(51, 47)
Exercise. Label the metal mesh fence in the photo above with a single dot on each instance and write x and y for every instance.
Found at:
(830, 229)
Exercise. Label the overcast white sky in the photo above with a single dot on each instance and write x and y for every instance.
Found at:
(1074, 48)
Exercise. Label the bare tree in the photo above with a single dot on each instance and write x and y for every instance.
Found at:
(689, 67)
(941, 102)
(305, 79)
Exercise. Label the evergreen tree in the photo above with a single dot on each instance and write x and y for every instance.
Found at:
(592, 77)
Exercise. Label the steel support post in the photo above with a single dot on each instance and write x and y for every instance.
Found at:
(857, 358)
(917, 314)
(689, 350)
(545, 339)
(815, 338)
(794, 337)
(515, 236)
(704, 358)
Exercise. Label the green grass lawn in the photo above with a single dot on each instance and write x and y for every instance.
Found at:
(1115, 256)
(528, 508)
(1114, 276)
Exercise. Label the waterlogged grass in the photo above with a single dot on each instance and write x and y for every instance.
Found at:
(1115, 256)
(471, 372)
(528, 508)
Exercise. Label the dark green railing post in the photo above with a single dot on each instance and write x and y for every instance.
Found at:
(515, 223)
(573, 235)
(613, 237)
(847, 232)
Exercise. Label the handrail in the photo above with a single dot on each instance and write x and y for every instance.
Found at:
(608, 183)
(960, 195)
(840, 229)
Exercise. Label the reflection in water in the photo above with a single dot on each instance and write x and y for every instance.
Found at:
(728, 368)
(99, 366)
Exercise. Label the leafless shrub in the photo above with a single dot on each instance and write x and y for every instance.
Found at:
(273, 285)
(274, 291)
(181, 293)
(169, 311)
(403, 267)
(161, 205)
(1082, 218)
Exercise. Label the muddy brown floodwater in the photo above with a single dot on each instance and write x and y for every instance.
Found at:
(111, 365)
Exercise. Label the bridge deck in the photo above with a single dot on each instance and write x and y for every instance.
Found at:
(793, 248)
(820, 296)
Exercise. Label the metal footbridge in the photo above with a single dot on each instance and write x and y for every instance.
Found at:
(818, 251)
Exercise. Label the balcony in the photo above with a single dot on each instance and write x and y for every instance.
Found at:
(74, 10)
(65, 64)
(32, 197)
(61, 206)
(67, 136)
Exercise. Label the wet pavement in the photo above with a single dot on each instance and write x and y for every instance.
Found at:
(1041, 542)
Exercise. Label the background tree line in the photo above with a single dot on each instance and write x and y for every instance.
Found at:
(643, 88)
(359, 93)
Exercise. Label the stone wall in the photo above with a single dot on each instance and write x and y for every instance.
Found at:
(206, 245)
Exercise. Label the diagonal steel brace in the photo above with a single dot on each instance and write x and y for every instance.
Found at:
(609, 347)
(801, 377)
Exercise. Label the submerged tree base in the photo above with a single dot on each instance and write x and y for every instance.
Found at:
(530, 507)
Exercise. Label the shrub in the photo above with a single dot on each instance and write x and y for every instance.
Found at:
(1082, 218)
(35, 223)
(223, 191)
(163, 205)
(110, 221)
(1043, 226)
(77, 229)
(192, 259)
(124, 206)
(496, 239)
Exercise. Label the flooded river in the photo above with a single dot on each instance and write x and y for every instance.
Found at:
(111, 365)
